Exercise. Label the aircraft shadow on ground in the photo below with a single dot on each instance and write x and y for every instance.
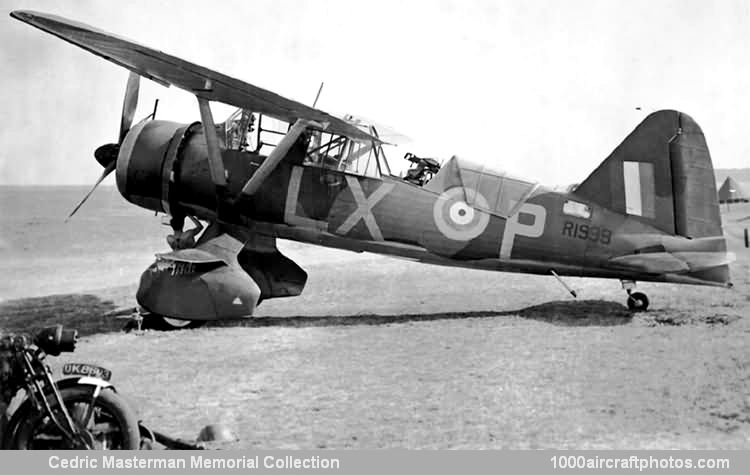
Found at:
(90, 314)
(84, 312)
(562, 313)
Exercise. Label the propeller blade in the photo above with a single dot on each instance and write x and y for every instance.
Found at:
(129, 104)
(110, 168)
(106, 154)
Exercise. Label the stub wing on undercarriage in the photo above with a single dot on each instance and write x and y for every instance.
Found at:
(221, 278)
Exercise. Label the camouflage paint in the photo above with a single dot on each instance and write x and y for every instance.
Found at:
(339, 209)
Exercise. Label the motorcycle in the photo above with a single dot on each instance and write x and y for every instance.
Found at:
(81, 411)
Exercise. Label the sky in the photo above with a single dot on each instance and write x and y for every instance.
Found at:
(541, 89)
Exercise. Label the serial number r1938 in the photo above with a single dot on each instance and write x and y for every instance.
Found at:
(587, 232)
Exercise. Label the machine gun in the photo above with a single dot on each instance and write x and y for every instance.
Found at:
(423, 169)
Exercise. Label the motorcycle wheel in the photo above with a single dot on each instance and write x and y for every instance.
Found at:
(112, 424)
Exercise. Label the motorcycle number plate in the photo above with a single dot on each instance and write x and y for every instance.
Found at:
(83, 369)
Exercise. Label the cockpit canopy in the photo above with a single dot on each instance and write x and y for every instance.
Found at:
(252, 132)
(496, 192)
(337, 152)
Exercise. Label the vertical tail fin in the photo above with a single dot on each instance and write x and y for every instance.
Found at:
(662, 175)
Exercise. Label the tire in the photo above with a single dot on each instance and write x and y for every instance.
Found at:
(160, 322)
(637, 302)
(113, 424)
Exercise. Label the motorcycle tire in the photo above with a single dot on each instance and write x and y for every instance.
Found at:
(113, 424)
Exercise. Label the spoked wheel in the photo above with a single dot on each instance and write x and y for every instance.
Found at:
(638, 302)
(108, 424)
(160, 322)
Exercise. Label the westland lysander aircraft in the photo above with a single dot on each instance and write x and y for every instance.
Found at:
(649, 212)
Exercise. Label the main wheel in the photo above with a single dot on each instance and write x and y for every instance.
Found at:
(109, 424)
(637, 302)
(160, 322)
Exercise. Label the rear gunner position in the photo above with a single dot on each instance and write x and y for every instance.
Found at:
(280, 169)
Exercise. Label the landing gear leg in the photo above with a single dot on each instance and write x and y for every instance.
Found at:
(637, 301)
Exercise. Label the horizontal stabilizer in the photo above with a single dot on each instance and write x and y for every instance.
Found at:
(654, 263)
(641, 242)
(706, 260)
(672, 263)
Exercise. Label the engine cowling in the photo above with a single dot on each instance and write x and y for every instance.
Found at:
(164, 164)
(141, 163)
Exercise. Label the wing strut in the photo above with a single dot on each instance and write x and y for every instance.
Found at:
(276, 155)
(215, 162)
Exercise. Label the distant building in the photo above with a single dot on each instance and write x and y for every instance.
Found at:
(731, 192)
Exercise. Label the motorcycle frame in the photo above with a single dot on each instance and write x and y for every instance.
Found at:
(35, 371)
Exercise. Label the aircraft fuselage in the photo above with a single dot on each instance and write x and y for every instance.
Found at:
(166, 167)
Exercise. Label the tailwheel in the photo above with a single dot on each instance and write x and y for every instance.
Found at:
(637, 302)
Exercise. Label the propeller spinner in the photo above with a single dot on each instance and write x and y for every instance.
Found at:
(107, 154)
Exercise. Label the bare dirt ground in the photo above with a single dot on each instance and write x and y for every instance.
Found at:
(384, 353)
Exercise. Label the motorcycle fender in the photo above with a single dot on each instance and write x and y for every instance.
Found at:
(97, 383)
(85, 381)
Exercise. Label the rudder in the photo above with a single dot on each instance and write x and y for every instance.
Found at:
(662, 175)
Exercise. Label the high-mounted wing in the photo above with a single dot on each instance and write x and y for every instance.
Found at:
(170, 70)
